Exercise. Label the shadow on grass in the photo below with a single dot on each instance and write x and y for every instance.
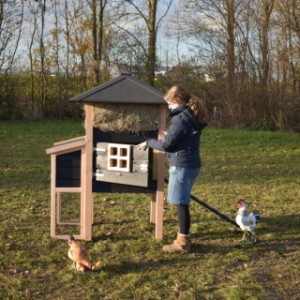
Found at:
(114, 237)
(113, 222)
(284, 221)
(167, 261)
(270, 230)
(280, 234)
(280, 228)
(282, 225)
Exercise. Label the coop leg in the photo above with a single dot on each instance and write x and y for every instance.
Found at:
(92, 208)
(160, 176)
(58, 208)
(87, 177)
(153, 208)
(53, 197)
(159, 214)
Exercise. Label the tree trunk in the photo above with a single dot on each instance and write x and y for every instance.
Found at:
(67, 34)
(152, 7)
(230, 22)
(34, 105)
(96, 67)
(98, 31)
(267, 11)
(42, 57)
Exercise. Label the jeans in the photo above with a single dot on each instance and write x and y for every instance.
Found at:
(181, 181)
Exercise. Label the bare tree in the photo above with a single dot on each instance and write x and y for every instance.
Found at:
(43, 54)
(267, 8)
(80, 42)
(56, 41)
(98, 9)
(67, 42)
(289, 11)
(11, 20)
(147, 11)
(214, 22)
(34, 103)
(36, 19)
(151, 24)
(230, 10)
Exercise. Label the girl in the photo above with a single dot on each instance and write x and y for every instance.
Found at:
(182, 145)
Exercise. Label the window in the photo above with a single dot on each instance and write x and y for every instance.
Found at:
(119, 157)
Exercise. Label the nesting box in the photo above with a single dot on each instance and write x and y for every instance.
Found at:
(119, 115)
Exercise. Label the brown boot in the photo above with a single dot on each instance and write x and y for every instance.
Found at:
(181, 244)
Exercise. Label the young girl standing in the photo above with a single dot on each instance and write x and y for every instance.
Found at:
(182, 145)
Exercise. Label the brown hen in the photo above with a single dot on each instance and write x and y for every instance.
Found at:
(79, 255)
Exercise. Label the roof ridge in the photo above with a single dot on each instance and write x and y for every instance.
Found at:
(122, 89)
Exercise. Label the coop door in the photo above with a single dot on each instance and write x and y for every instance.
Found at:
(122, 164)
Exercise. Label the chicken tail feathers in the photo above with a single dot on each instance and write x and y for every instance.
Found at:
(86, 264)
(256, 213)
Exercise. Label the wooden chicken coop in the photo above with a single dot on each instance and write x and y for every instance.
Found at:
(119, 115)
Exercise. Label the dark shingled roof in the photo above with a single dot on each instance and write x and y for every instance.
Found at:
(122, 89)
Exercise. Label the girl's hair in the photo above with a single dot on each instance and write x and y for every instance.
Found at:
(199, 109)
(176, 94)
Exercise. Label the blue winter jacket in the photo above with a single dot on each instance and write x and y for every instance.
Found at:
(182, 142)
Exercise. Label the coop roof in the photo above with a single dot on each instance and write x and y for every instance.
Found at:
(122, 89)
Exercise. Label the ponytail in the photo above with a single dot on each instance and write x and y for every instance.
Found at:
(199, 110)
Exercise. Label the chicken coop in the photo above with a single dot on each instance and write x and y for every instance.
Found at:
(119, 114)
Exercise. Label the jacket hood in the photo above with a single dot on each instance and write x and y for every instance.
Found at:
(188, 115)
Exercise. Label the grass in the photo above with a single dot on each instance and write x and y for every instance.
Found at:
(261, 167)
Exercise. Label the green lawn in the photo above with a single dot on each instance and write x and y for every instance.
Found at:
(261, 167)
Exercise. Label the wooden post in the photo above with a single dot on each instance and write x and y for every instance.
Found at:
(153, 195)
(153, 208)
(159, 207)
(58, 207)
(53, 197)
(87, 199)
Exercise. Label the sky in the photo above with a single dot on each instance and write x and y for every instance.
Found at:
(171, 47)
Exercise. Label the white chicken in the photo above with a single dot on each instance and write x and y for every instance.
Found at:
(246, 221)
